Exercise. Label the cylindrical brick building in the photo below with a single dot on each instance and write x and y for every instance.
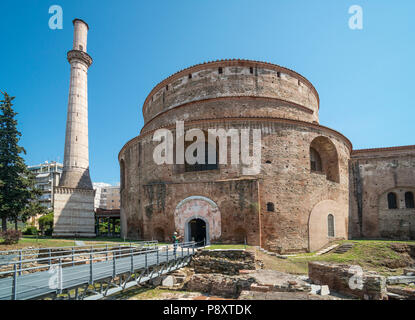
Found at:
(297, 202)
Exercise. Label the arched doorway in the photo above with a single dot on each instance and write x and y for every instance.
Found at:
(197, 231)
(202, 208)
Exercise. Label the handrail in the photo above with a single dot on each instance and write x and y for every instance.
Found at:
(6, 252)
(112, 253)
(71, 249)
(96, 266)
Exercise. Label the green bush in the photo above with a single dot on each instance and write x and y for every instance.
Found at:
(46, 223)
(30, 230)
(11, 236)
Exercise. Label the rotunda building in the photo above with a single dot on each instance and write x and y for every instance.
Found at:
(297, 200)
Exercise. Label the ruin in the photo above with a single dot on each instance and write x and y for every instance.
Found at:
(312, 188)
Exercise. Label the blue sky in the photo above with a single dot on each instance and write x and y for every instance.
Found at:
(364, 77)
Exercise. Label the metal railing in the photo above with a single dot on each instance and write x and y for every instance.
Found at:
(31, 255)
(54, 271)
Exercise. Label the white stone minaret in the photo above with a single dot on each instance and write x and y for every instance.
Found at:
(76, 159)
(74, 198)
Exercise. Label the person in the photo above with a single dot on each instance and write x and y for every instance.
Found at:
(176, 239)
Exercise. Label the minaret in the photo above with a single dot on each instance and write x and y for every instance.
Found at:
(74, 198)
(76, 159)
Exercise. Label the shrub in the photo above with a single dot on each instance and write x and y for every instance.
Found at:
(11, 236)
(46, 223)
(30, 230)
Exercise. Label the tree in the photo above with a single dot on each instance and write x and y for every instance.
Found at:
(46, 222)
(16, 181)
(33, 209)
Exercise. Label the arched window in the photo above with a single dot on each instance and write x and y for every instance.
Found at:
(203, 166)
(392, 201)
(315, 160)
(409, 200)
(208, 149)
(324, 158)
(270, 207)
(330, 225)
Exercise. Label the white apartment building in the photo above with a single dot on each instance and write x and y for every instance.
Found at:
(47, 176)
(106, 196)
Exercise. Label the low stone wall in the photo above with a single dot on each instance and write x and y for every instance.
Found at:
(219, 285)
(367, 285)
(406, 293)
(227, 262)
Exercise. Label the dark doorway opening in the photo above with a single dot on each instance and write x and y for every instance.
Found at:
(197, 231)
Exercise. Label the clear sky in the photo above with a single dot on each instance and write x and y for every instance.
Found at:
(364, 77)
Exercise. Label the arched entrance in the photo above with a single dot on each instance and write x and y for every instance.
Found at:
(197, 231)
(198, 208)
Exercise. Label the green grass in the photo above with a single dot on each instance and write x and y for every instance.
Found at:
(375, 255)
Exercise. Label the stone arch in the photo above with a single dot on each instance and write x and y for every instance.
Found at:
(187, 231)
(323, 150)
(318, 229)
(159, 234)
(198, 207)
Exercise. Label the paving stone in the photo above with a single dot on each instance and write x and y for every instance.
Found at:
(168, 281)
(324, 291)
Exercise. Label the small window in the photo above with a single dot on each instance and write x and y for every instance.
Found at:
(279, 74)
(409, 200)
(330, 225)
(167, 88)
(251, 70)
(392, 201)
(270, 207)
(204, 166)
(190, 76)
(268, 161)
(315, 160)
(220, 70)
